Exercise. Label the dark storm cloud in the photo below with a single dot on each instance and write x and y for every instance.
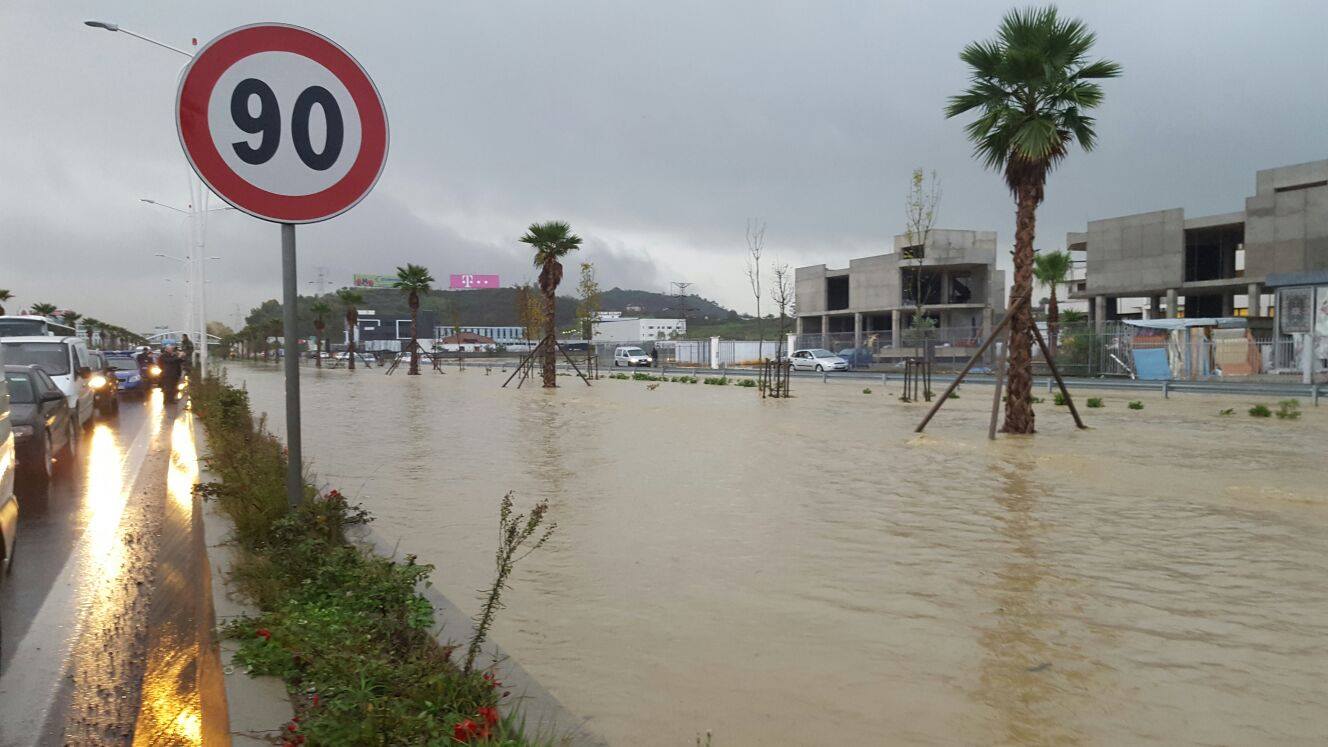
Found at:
(656, 129)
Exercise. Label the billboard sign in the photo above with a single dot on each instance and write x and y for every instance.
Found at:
(467, 282)
(374, 281)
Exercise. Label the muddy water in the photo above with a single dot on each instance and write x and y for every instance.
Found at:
(810, 572)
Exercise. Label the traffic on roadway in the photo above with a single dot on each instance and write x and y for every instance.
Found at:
(98, 466)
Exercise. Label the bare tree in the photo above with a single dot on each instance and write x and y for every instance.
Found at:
(781, 292)
(755, 246)
(920, 209)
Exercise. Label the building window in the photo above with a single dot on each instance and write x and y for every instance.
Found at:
(917, 251)
(961, 287)
(836, 293)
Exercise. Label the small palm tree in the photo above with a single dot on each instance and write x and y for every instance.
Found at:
(551, 241)
(91, 325)
(413, 280)
(1032, 87)
(351, 298)
(5, 297)
(71, 318)
(42, 309)
(1051, 269)
(320, 309)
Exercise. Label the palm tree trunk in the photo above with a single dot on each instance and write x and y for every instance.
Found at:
(1053, 320)
(318, 346)
(550, 372)
(1019, 402)
(414, 302)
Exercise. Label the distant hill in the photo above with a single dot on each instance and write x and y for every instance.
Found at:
(491, 306)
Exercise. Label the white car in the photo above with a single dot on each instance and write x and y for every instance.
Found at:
(66, 361)
(8, 504)
(817, 359)
(360, 359)
(631, 356)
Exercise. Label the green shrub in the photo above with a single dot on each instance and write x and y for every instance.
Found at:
(1037, 400)
(866, 391)
(1136, 405)
(716, 380)
(746, 382)
(1058, 399)
(1260, 411)
(954, 394)
(1095, 402)
(1288, 409)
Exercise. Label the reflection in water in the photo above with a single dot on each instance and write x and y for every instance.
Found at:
(107, 493)
(809, 572)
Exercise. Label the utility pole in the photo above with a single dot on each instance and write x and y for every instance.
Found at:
(682, 287)
(321, 282)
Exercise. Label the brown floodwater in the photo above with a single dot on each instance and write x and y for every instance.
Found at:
(809, 571)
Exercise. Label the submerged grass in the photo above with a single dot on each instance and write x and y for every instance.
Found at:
(345, 628)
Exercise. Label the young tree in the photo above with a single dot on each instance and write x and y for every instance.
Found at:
(551, 241)
(5, 297)
(588, 300)
(781, 293)
(1051, 269)
(414, 280)
(351, 298)
(320, 309)
(1032, 87)
(755, 246)
(924, 197)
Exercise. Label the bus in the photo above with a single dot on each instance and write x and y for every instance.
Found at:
(27, 325)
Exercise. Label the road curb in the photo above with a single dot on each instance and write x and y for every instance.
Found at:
(256, 707)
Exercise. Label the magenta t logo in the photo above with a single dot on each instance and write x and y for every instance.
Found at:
(466, 282)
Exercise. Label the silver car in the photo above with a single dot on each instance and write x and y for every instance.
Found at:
(817, 359)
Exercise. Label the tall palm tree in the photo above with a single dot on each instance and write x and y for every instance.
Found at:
(320, 308)
(351, 298)
(1031, 86)
(551, 241)
(1051, 269)
(71, 318)
(413, 280)
(91, 325)
(5, 297)
(42, 309)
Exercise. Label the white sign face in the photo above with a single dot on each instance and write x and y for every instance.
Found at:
(282, 123)
(257, 104)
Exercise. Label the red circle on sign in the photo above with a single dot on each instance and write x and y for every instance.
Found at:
(191, 117)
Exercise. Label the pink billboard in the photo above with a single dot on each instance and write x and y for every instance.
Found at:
(464, 282)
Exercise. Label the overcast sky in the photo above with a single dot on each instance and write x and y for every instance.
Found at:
(655, 129)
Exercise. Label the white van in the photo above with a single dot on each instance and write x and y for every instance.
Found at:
(631, 356)
(8, 504)
(66, 361)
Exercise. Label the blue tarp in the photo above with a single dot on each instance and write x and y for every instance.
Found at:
(1150, 364)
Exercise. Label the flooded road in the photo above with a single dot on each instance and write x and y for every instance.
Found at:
(811, 572)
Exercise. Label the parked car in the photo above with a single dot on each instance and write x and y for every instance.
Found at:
(817, 359)
(66, 361)
(105, 385)
(129, 378)
(8, 465)
(857, 357)
(40, 418)
(631, 356)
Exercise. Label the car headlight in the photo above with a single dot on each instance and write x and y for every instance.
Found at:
(22, 431)
(97, 382)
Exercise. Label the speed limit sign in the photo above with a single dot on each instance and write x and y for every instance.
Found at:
(282, 123)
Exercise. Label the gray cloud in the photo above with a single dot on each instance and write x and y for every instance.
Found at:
(655, 129)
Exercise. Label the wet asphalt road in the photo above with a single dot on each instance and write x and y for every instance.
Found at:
(99, 619)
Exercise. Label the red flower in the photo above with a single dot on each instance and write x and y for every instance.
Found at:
(263, 633)
(489, 714)
(465, 731)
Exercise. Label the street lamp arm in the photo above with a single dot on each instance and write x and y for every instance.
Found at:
(123, 30)
(162, 204)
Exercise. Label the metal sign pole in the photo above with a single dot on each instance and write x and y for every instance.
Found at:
(290, 297)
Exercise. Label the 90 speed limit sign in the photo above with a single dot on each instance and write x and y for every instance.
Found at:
(282, 123)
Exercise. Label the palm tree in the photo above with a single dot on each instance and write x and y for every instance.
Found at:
(90, 325)
(5, 296)
(319, 308)
(413, 280)
(1032, 86)
(351, 297)
(551, 240)
(71, 318)
(1051, 269)
(274, 328)
(42, 309)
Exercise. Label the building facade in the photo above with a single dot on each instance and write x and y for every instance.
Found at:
(1208, 266)
(637, 329)
(502, 335)
(876, 298)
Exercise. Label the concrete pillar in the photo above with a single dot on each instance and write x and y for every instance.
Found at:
(1255, 292)
(857, 330)
(797, 326)
(1154, 307)
(1100, 314)
(896, 327)
(825, 330)
(988, 319)
(791, 345)
(714, 353)
(1172, 303)
(1228, 304)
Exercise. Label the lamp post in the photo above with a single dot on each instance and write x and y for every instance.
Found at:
(196, 319)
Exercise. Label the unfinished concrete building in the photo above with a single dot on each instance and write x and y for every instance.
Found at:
(1213, 265)
(875, 298)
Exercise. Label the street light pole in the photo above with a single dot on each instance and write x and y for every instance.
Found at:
(196, 269)
(117, 27)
